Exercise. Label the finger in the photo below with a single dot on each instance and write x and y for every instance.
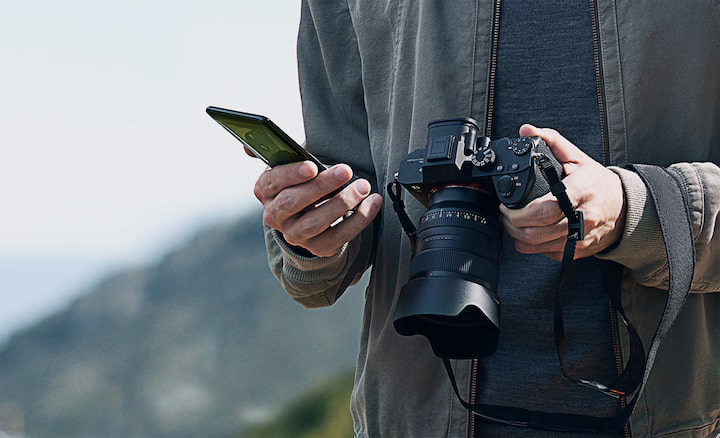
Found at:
(563, 150)
(557, 256)
(249, 152)
(330, 241)
(553, 246)
(317, 220)
(540, 212)
(536, 235)
(296, 197)
(329, 181)
(277, 179)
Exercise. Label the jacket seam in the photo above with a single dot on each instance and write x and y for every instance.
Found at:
(393, 80)
(646, 414)
(656, 273)
(450, 413)
(685, 186)
(621, 86)
(701, 200)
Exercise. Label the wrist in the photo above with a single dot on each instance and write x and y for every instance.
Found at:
(640, 238)
(620, 220)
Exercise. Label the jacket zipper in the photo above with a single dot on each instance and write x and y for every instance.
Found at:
(606, 157)
(606, 161)
(488, 133)
(618, 360)
(599, 81)
(493, 69)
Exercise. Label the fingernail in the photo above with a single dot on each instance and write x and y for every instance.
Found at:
(341, 172)
(306, 169)
(363, 187)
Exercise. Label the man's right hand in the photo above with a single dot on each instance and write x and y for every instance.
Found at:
(286, 191)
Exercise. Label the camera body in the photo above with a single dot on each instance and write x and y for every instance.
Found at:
(456, 154)
(461, 177)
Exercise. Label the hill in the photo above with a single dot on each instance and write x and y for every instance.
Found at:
(321, 412)
(202, 343)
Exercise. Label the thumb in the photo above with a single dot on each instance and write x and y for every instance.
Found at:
(563, 150)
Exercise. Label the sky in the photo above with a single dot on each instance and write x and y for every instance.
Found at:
(107, 158)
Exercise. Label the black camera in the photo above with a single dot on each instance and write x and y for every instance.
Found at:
(461, 177)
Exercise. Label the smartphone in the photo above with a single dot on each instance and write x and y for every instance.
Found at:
(262, 137)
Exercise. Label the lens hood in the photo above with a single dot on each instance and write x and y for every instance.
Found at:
(460, 318)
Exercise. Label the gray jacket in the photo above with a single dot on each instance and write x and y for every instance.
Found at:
(373, 74)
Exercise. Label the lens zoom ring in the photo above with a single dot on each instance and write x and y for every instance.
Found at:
(455, 261)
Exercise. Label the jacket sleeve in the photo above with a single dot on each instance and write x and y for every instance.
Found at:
(335, 121)
(641, 247)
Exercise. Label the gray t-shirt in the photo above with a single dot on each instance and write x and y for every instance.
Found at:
(546, 76)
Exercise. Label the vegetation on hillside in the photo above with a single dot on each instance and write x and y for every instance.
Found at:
(322, 412)
(201, 342)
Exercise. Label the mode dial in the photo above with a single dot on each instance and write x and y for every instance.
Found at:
(484, 158)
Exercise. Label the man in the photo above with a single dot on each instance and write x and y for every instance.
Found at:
(618, 83)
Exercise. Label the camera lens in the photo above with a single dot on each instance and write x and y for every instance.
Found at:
(450, 295)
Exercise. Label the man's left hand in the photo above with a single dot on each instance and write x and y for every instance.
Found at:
(541, 226)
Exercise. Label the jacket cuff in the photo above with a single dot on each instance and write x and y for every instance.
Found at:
(641, 247)
(311, 281)
(306, 269)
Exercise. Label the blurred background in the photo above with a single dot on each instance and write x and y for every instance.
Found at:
(135, 296)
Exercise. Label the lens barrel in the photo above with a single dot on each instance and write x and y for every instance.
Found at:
(450, 295)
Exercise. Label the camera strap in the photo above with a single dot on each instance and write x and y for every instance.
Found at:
(395, 192)
(671, 205)
(631, 376)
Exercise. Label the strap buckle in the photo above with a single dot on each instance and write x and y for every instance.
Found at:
(576, 228)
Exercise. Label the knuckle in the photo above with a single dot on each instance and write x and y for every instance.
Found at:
(292, 238)
(365, 214)
(552, 131)
(270, 186)
(530, 236)
(344, 234)
(522, 247)
(283, 202)
(289, 239)
(355, 193)
(339, 204)
(347, 201)
(585, 247)
(307, 227)
(269, 219)
(324, 252)
(272, 182)
(259, 193)
(591, 221)
(323, 247)
(548, 211)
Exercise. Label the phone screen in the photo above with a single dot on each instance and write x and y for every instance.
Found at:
(262, 137)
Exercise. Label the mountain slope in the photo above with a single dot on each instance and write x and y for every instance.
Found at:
(204, 342)
(321, 412)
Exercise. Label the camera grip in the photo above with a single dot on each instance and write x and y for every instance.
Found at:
(541, 187)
